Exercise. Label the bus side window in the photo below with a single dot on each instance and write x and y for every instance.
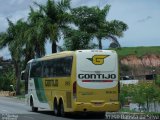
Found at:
(50, 68)
(45, 69)
(36, 70)
(62, 67)
(57, 67)
(33, 68)
(53, 68)
(68, 66)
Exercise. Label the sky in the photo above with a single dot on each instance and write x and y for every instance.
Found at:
(141, 16)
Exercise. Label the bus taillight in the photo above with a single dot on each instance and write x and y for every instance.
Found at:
(75, 90)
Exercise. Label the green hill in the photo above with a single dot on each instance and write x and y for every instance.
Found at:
(138, 51)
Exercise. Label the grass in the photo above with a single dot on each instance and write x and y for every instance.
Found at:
(138, 51)
(20, 96)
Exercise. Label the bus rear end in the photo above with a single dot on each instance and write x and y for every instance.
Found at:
(96, 87)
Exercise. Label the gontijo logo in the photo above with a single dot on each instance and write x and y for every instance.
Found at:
(98, 59)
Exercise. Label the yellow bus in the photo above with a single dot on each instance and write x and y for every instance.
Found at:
(73, 81)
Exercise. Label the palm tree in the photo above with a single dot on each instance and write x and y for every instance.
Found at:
(56, 18)
(93, 21)
(28, 47)
(12, 39)
(76, 40)
(35, 33)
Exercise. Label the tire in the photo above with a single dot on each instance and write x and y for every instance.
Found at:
(61, 109)
(33, 109)
(56, 111)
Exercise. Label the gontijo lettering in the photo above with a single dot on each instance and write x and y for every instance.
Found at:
(50, 83)
(96, 76)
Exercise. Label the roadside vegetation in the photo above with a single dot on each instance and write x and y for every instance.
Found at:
(142, 93)
(7, 78)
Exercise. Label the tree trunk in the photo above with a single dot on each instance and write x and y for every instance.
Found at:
(100, 43)
(17, 73)
(29, 54)
(54, 47)
(38, 51)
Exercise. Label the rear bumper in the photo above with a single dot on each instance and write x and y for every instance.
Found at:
(90, 107)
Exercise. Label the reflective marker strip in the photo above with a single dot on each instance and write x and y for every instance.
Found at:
(97, 80)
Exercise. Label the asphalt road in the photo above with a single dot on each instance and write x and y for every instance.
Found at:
(13, 109)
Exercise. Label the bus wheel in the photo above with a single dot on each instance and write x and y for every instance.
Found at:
(56, 112)
(34, 109)
(61, 107)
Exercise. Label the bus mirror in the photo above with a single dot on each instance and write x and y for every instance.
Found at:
(23, 75)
